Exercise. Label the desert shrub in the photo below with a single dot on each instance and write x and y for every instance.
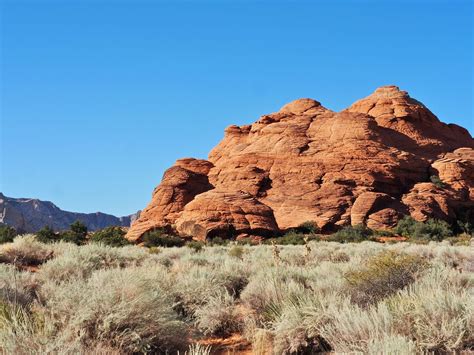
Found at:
(111, 236)
(159, 238)
(47, 235)
(80, 262)
(435, 179)
(267, 292)
(76, 234)
(218, 241)
(350, 329)
(247, 241)
(352, 234)
(291, 238)
(436, 312)
(465, 221)
(406, 226)
(308, 227)
(127, 309)
(218, 316)
(16, 288)
(296, 325)
(432, 229)
(195, 245)
(382, 275)
(236, 251)
(461, 239)
(25, 250)
(7, 234)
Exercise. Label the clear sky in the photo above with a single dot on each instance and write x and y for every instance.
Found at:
(100, 97)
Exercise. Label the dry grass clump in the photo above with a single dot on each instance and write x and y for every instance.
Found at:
(25, 250)
(127, 309)
(81, 262)
(319, 297)
(218, 316)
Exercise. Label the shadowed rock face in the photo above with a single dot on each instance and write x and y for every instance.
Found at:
(370, 163)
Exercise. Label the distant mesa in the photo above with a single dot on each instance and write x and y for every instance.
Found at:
(369, 164)
(28, 215)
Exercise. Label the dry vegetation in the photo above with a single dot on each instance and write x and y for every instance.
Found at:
(324, 296)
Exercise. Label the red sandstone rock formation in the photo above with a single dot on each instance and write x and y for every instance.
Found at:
(370, 163)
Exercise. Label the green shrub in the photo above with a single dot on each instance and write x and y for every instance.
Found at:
(352, 234)
(383, 275)
(437, 181)
(111, 236)
(47, 235)
(7, 234)
(308, 227)
(432, 229)
(195, 245)
(159, 238)
(406, 226)
(290, 238)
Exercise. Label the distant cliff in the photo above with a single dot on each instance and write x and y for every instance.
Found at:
(30, 215)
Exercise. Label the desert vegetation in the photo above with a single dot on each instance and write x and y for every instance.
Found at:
(302, 297)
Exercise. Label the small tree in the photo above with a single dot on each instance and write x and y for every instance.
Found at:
(112, 236)
(433, 229)
(77, 233)
(308, 227)
(7, 234)
(357, 233)
(406, 226)
(159, 238)
(47, 235)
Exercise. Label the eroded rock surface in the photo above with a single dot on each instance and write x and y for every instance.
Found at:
(370, 163)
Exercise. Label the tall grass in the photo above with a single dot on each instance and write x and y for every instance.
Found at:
(324, 296)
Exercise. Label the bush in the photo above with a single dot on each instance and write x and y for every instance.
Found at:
(127, 308)
(25, 251)
(437, 181)
(195, 245)
(236, 251)
(308, 227)
(159, 238)
(111, 236)
(16, 288)
(218, 316)
(47, 235)
(382, 275)
(290, 238)
(7, 234)
(352, 234)
(247, 241)
(218, 241)
(432, 229)
(80, 262)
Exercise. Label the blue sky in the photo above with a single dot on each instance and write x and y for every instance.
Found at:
(98, 98)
